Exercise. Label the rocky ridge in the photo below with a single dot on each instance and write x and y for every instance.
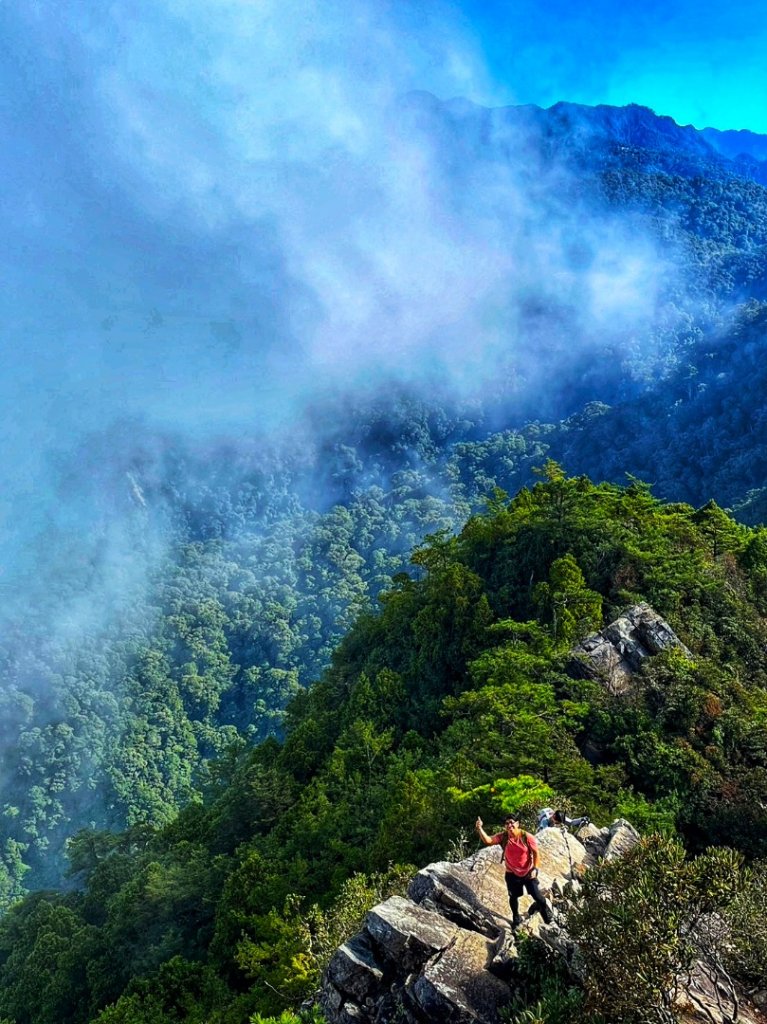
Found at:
(439, 954)
(444, 952)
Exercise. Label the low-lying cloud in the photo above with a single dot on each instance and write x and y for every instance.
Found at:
(218, 213)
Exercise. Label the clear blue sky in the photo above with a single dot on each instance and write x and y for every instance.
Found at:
(702, 62)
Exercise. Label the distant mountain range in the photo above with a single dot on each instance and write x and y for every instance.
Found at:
(575, 128)
(272, 551)
(737, 145)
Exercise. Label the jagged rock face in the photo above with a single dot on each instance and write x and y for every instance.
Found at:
(440, 956)
(427, 958)
(561, 856)
(456, 986)
(620, 839)
(595, 842)
(613, 655)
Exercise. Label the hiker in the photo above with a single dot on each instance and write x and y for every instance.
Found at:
(520, 858)
(549, 818)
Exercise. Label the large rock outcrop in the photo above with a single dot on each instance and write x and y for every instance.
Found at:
(615, 653)
(442, 954)
(435, 955)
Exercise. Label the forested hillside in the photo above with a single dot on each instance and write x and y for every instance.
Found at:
(241, 564)
(449, 700)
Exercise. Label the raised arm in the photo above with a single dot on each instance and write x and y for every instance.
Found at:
(486, 839)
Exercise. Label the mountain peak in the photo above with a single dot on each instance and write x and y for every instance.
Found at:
(578, 130)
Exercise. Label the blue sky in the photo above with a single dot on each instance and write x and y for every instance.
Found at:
(701, 62)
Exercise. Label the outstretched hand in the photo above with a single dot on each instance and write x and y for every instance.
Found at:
(478, 824)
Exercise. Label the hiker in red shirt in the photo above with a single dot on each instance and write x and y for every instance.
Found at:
(521, 858)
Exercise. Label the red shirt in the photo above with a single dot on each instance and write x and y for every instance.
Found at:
(518, 855)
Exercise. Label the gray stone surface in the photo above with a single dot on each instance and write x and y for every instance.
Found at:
(556, 938)
(613, 655)
(332, 997)
(353, 970)
(351, 1014)
(623, 836)
(406, 933)
(561, 856)
(471, 894)
(591, 835)
(455, 986)
(595, 842)
(760, 999)
(442, 953)
(445, 954)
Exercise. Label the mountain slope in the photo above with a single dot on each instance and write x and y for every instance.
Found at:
(449, 702)
(217, 578)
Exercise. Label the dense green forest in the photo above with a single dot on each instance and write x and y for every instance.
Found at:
(248, 563)
(449, 699)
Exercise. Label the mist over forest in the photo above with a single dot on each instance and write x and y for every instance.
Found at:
(337, 407)
(272, 319)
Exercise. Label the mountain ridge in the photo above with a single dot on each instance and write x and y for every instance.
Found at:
(580, 126)
(273, 553)
(449, 702)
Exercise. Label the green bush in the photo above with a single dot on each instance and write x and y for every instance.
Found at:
(641, 922)
(545, 992)
(746, 956)
(312, 1016)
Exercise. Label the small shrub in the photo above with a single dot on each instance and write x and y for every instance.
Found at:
(545, 992)
(642, 921)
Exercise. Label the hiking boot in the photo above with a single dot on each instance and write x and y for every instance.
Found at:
(516, 921)
(534, 909)
(548, 914)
